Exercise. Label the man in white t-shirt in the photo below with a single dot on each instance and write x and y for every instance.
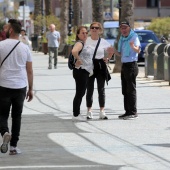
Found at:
(16, 75)
(53, 38)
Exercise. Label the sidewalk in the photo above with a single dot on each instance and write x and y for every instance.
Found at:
(50, 140)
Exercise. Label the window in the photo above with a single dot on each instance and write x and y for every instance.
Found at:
(152, 3)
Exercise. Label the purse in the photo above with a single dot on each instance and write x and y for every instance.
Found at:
(72, 60)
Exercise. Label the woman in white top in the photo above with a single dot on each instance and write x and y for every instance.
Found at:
(101, 73)
(23, 37)
(83, 69)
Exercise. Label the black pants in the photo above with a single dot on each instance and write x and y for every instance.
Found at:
(129, 73)
(14, 98)
(81, 78)
(99, 74)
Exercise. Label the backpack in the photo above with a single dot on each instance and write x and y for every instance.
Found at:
(72, 60)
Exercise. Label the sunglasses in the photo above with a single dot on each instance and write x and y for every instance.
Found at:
(84, 33)
(94, 28)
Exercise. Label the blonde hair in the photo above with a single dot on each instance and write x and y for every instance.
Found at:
(99, 25)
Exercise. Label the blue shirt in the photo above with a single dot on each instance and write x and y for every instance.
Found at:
(53, 38)
(133, 55)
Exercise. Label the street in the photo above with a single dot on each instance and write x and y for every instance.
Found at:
(50, 140)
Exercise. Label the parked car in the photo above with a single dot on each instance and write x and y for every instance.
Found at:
(145, 37)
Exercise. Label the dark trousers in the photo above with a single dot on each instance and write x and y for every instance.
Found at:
(129, 73)
(99, 75)
(52, 50)
(81, 78)
(11, 100)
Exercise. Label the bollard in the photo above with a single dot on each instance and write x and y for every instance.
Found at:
(167, 63)
(148, 55)
(159, 61)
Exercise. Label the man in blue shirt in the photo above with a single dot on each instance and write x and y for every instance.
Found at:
(128, 49)
(53, 38)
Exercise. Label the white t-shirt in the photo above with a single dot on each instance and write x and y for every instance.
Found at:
(13, 71)
(100, 51)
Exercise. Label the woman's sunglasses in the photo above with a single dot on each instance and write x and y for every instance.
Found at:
(94, 28)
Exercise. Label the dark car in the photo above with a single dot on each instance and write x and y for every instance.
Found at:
(145, 37)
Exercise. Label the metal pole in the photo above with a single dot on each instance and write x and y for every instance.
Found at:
(70, 18)
(24, 16)
(159, 6)
(111, 8)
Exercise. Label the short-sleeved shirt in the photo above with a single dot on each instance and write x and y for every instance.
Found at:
(100, 51)
(13, 72)
(53, 38)
(133, 56)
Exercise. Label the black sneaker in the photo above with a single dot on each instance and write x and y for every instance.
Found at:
(123, 116)
(129, 117)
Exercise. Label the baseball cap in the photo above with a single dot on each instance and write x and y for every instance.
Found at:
(124, 23)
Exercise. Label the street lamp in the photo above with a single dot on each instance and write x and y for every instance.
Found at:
(70, 18)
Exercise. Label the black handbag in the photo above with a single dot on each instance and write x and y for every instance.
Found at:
(72, 60)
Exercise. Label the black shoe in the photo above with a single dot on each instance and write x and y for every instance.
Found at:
(55, 67)
(129, 117)
(123, 116)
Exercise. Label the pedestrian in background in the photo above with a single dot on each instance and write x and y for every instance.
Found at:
(53, 38)
(16, 75)
(23, 37)
(101, 73)
(83, 69)
(128, 49)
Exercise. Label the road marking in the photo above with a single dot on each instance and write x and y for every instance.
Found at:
(49, 166)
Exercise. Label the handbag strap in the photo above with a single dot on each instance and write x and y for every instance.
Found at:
(96, 48)
(9, 53)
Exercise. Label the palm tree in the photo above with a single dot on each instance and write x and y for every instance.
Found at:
(64, 20)
(76, 9)
(37, 11)
(97, 6)
(126, 14)
(47, 7)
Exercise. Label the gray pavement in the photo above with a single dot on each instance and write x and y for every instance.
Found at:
(50, 140)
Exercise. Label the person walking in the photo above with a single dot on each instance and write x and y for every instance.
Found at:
(101, 73)
(15, 75)
(128, 49)
(53, 38)
(23, 37)
(83, 69)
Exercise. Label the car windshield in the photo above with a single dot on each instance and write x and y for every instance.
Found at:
(111, 33)
(146, 37)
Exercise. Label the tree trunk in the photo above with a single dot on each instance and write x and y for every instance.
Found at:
(76, 11)
(126, 14)
(37, 11)
(47, 7)
(64, 20)
(97, 14)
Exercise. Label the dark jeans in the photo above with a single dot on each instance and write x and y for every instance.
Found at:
(11, 100)
(52, 50)
(81, 78)
(99, 74)
(129, 73)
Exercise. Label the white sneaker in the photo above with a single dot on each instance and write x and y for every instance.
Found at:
(79, 118)
(89, 115)
(6, 139)
(103, 115)
(14, 150)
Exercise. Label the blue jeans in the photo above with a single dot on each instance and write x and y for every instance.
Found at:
(11, 100)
